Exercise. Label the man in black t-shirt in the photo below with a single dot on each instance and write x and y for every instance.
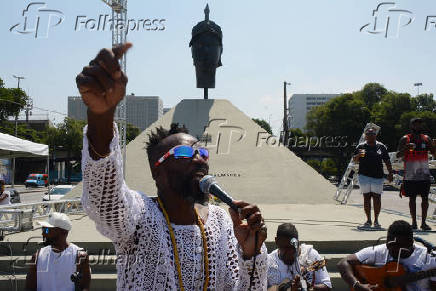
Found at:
(370, 155)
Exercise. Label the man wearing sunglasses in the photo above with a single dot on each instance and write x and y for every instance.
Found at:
(52, 266)
(370, 156)
(174, 241)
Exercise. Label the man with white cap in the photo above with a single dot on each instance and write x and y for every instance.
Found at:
(54, 264)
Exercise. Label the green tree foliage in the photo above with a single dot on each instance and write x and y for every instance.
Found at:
(316, 164)
(347, 115)
(328, 168)
(387, 115)
(132, 132)
(67, 136)
(12, 100)
(296, 132)
(23, 131)
(264, 124)
(371, 94)
(424, 102)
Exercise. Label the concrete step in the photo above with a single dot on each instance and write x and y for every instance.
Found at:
(106, 282)
(323, 247)
(99, 282)
(106, 263)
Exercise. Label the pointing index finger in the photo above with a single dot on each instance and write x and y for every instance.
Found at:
(121, 49)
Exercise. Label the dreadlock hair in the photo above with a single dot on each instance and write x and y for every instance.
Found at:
(153, 145)
(400, 228)
(287, 230)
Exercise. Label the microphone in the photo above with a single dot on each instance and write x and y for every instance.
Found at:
(427, 244)
(208, 185)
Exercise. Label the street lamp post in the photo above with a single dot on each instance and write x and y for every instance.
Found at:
(285, 114)
(16, 121)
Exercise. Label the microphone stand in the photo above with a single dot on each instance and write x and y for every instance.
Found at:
(256, 238)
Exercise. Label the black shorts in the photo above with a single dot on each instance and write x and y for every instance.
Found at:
(414, 188)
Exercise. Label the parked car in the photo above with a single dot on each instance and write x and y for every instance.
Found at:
(35, 180)
(15, 195)
(57, 192)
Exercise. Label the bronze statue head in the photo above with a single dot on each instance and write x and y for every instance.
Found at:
(206, 47)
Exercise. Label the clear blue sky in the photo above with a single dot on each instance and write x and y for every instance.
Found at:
(316, 45)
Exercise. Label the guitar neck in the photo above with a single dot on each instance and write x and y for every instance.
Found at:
(412, 277)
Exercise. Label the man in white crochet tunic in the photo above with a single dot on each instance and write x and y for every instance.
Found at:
(172, 242)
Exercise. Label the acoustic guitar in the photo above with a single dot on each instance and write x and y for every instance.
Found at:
(286, 284)
(390, 277)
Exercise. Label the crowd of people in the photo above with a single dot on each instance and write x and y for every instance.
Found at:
(177, 241)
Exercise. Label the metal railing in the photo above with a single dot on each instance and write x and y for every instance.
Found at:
(19, 217)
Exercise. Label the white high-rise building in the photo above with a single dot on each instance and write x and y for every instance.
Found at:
(300, 104)
(141, 110)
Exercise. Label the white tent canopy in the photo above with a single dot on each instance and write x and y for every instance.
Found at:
(13, 147)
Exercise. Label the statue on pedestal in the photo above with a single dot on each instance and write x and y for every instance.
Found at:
(206, 47)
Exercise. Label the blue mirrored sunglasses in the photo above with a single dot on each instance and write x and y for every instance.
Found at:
(184, 152)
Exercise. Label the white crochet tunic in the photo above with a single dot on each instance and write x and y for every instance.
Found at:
(137, 227)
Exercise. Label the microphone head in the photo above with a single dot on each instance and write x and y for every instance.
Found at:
(294, 243)
(206, 182)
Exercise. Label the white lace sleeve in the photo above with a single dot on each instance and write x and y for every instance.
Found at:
(239, 270)
(106, 198)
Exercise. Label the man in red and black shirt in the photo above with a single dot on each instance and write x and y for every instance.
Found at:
(414, 148)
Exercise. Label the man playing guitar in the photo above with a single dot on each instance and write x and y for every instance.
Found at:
(402, 256)
(293, 262)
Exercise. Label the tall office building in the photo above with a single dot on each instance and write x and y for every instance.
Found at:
(300, 104)
(141, 110)
(76, 108)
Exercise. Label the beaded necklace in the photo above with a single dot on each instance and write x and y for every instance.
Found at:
(176, 253)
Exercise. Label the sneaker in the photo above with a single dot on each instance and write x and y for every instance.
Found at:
(414, 226)
(425, 227)
(367, 224)
(377, 225)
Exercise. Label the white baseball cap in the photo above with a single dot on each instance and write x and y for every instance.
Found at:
(57, 219)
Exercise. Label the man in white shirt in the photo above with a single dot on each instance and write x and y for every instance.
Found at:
(173, 241)
(53, 265)
(398, 248)
(290, 260)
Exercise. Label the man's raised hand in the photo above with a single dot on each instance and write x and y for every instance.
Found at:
(102, 84)
(245, 232)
